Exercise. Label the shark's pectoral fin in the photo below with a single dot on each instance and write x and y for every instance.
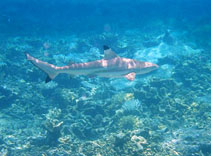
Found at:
(71, 76)
(130, 76)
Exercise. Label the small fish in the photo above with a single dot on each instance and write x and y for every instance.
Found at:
(111, 66)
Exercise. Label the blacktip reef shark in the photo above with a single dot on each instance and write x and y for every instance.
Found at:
(111, 66)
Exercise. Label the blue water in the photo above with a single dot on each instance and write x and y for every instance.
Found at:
(164, 112)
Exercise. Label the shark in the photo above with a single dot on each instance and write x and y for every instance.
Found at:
(110, 66)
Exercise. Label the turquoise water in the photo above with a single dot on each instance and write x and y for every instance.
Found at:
(161, 113)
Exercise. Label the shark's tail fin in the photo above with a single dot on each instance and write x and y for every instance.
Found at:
(49, 69)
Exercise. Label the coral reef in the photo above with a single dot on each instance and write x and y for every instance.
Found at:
(132, 105)
(164, 113)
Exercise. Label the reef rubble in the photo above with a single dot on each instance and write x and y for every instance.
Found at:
(79, 116)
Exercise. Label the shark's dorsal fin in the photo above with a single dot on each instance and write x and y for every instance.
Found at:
(70, 63)
(108, 53)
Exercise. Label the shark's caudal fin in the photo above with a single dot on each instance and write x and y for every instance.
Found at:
(49, 69)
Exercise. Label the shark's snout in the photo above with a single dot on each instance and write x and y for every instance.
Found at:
(155, 66)
(151, 65)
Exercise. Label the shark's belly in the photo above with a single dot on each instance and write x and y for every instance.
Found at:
(101, 72)
(82, 72)
(112, 74)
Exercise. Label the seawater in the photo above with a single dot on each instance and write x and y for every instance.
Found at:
(165, 112)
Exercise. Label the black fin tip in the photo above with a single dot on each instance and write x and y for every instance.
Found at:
(105, 47)
(48, 79)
